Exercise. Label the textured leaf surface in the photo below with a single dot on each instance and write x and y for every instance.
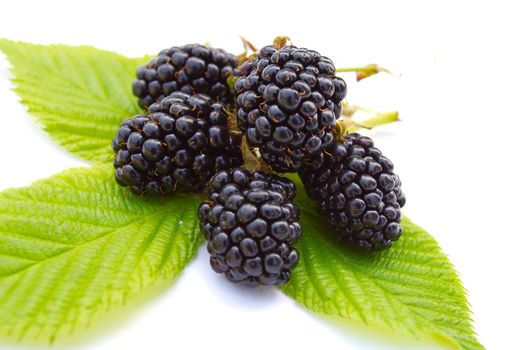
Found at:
(79, 94)
(75, 245)
(411, 289)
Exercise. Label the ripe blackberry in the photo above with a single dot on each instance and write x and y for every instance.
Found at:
(288, 101)
(251, 224)
(192, 68)
(357, 191)
(180, 144)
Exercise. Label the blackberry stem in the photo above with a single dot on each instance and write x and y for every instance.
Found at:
(281, 41)
(232, 121)
(248, 47)
(252, 159)
(346, 124)
(364, 71)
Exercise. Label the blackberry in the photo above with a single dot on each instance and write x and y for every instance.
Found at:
(180, 144)
(251, 224)
(356, 189)
(288, 101)
(192, 68)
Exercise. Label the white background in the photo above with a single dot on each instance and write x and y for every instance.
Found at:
(459, 150)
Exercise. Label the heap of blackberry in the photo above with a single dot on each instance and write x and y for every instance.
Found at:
(288, 101)
(180, 144)
(357, 191)
(251, 224)
(192, 68)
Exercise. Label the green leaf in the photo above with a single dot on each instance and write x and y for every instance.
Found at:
(79, 94)
(76, 244)
(411, 289)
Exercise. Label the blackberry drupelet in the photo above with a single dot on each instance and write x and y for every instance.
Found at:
(180, 144)
(357, 191)
(251, 224)
(288, 101)
(192, 68)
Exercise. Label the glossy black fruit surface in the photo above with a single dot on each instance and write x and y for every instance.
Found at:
(288, 102)
(179, 145)
(251, 225)
(358, 192)
(190, 69)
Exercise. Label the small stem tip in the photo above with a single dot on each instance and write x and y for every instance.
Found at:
(252, 158)
(376, 119)
(364, 71)
(281, 41)
(249, 50)
(248, 46)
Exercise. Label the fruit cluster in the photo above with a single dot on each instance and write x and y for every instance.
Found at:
(251, 224)
(206, 110)
(357, 191)
(288, 102)
(179, 144)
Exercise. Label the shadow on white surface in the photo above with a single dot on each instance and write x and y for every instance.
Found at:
(107, 325)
